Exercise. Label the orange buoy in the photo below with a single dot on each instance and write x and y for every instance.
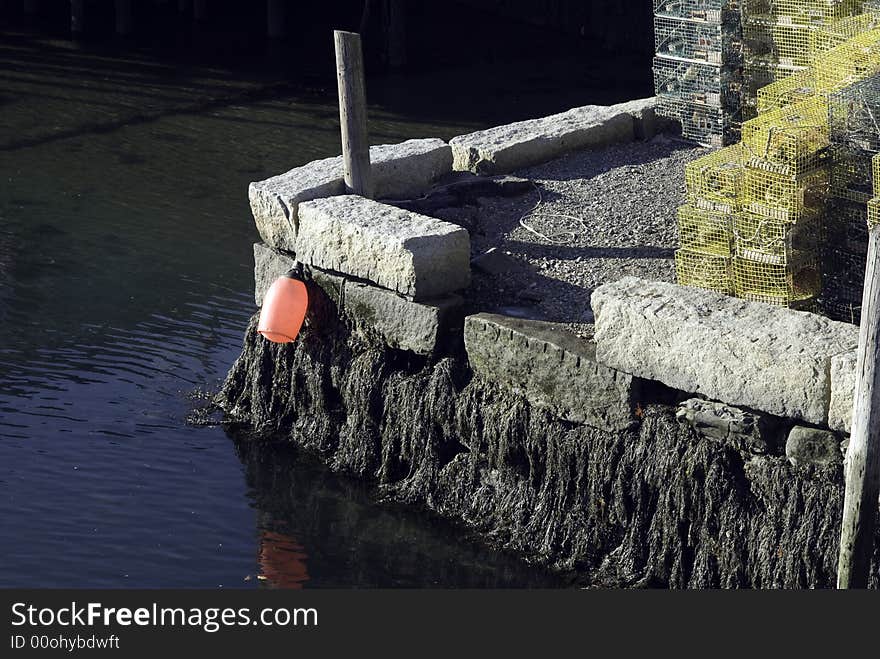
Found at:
(284, 310)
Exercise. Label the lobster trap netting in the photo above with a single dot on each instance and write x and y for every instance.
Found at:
(703, 124)
(767, 240)
(854, 115)
(826, 37)
(875, 173)
(698, 83)
(700, 270)
(803, 12)
(783, 197)
(713, 181)
(773, 43)
(710, 11)
(850, 174)
(715, 43)
(793, 89)
(790, 140)
(874, 212)
(704, 231)
(851, 61)
(796, 284)
(844, 251)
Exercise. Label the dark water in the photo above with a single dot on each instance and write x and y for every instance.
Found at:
(125, 285)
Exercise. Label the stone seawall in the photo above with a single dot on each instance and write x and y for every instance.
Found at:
(687, 439)
(662, 503)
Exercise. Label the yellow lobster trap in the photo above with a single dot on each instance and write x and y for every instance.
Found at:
(804, 12)
(827, 36)
(781, 43)
(767, 240)
(714, 181)
(851, 61)
(875, 174)
(795, 285)
(797, 87)
(782, 197)
(791, 140)
(874, 213)
(705, 231)
(699, 270)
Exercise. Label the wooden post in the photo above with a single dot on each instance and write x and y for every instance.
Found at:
(275, 19)
(353, 113)
(200, 10)
(77, 16)
(124, 21)
(863, 456)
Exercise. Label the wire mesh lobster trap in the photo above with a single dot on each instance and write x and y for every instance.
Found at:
(699, 270)
(846, 226)
(768, 240)
(714, 181)
(854, 115)
(703, 124)
(711, 11)
(757, 74)
(851, 61)
(715, 43)
(795, 88)
(698, 83)
(850, 174)
(875, 173)
(874, 212)
(771, 42)
(782, 197)
(806, 12)
(704, 231)
(843, 254)
(791, 140)
(826, 37)
(796, 284)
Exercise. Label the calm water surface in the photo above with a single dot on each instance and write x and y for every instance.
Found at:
(125, 285)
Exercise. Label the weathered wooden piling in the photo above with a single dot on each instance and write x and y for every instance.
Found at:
(353, 113)
(863, 456)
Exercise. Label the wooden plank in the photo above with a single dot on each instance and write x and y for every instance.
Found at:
(353, 113)
(863, 456)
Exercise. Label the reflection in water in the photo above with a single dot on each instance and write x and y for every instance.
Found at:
(328, 530)
(282, 560)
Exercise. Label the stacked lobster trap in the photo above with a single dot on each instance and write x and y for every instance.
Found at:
(781, 39)
(698, 67)
(777, 231)
(854, 113)
(705, 222)
(782, 217)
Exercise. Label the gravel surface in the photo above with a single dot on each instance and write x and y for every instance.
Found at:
(602, 215)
